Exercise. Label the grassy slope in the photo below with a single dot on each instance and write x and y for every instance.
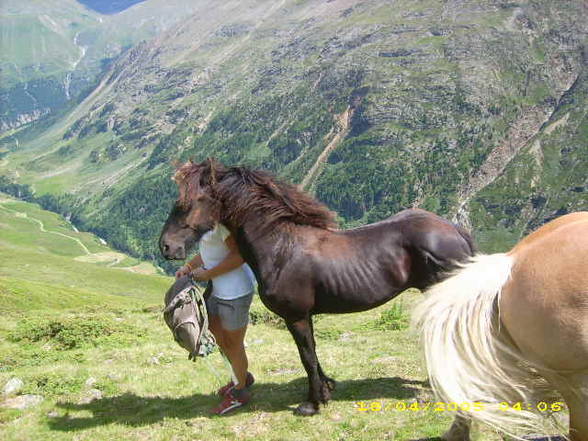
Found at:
(58, 261)
(150, 390)
(38, 38)
(169, 399)
(53, 50)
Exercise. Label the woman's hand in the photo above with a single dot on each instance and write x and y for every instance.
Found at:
(201, 274)
(183, 271)
(189, 266)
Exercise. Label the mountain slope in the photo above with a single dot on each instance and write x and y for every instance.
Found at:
(547, 178)
(52, 51)
(379, 106)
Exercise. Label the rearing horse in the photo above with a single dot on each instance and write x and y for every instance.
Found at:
(304, 266)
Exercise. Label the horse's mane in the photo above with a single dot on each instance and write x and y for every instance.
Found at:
(253, 195)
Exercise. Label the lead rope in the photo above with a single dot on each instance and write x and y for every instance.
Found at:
(205, 333)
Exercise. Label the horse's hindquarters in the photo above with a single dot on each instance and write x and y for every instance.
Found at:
(544, 306)
(539, 327)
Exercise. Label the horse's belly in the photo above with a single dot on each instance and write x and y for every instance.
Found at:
(357, 301)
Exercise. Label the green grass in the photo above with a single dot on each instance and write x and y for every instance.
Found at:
(17, 295)
(27, 42)
(150, 389)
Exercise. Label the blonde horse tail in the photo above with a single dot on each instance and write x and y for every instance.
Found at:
(471, 363)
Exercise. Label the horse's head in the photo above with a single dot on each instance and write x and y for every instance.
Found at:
(194, 213)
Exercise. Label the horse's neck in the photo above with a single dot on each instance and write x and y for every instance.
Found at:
(264, 251)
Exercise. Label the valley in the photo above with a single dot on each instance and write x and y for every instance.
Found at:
(372, 108)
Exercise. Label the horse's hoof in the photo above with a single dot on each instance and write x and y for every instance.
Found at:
(325, 393)
(306, 409)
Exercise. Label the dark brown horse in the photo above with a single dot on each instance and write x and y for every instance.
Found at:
(304, 266)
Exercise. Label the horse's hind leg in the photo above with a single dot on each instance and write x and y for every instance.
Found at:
(575, 392)
(301, 330)
(459, 430)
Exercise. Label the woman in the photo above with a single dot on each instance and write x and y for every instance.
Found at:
(219, 261)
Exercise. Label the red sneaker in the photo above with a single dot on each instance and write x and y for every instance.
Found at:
(232, 402)
(248, 382)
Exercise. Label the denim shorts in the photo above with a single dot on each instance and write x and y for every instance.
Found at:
(234, 314)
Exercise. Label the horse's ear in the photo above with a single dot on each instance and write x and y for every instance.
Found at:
(215, 170)
(212, 164)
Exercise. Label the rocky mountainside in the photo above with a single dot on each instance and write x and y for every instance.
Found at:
(54, 50)
(473, 109)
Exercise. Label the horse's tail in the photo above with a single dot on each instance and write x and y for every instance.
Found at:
(471, 363)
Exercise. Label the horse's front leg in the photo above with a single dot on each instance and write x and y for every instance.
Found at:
(301, 330)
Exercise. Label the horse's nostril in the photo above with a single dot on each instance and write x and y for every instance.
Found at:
(166, 248)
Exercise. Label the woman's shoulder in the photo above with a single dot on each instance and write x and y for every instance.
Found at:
(222, 231)
(218, 233)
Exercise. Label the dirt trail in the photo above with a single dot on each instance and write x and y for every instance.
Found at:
(143, 268)
(530, 124)
(112, 257)
(341, 129)
(42, 226)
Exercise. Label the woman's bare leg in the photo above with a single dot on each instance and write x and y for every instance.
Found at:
(234, 348)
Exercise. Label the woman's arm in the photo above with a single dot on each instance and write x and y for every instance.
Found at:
(229, 263)
(189, 266)
(196, 262)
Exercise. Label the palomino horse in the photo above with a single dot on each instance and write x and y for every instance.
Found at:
(302, 264)
(508, 331)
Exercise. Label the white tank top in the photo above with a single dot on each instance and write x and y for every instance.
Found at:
(213, 250)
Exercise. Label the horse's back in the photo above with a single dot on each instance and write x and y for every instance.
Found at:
(544, 306)
(358, 269)
(549, 231)
(434, 239)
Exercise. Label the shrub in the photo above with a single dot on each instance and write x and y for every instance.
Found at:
(392, 319)
(328, 334)
(75, 331)
(54, 383)
(7, 415)
(259, 314)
